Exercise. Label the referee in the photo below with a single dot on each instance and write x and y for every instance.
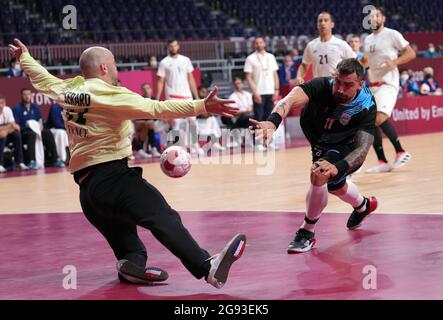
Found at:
(114, 197)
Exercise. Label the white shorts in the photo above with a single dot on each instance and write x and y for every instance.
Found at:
(385, 97)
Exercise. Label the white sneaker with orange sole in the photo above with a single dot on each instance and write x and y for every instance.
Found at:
(401, 159)
(380, 167)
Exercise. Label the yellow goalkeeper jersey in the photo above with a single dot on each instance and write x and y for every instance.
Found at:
(97, 115)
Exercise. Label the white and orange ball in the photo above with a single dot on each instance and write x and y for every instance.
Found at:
(175, 162)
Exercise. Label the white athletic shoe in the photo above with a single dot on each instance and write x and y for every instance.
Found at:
(401, 159)
(142, 154)
(154, 152)
(23, 167)
(380, 167)
(221, 262)
(2, 169)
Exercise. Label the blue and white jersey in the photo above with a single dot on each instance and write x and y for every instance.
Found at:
(326, 123)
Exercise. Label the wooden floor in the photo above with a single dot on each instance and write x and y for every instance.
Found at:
(415, 188)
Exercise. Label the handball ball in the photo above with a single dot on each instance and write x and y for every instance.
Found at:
(175, 162)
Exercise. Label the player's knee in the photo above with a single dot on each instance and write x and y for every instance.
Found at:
(381, 117)
(318, 180)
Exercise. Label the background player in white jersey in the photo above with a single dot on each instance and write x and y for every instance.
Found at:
(175, 75)
(381, 55)
(324, 52)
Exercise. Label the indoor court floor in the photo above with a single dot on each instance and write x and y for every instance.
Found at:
(42, 230)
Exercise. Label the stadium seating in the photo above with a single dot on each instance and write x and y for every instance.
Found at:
(115, 21)
(150, 20)
(280, 17)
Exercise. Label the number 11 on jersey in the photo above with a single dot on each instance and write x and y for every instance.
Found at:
(329, 123)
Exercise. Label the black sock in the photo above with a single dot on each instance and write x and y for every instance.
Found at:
(378, 146)
(151, 137)
(390, 132)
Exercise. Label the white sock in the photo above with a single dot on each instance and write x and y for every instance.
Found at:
(353, 197)
(316, 201)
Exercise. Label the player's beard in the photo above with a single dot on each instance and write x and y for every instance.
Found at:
(173, 53)
(340, 98)
(376, 27)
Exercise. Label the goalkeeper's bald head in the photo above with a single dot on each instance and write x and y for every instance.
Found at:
(99, 62)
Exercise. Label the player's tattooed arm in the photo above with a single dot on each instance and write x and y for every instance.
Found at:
(296, 98)
(282, 108)
(364, 141)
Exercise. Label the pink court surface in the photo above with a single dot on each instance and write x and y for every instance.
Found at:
(37, 247)
(401, 245)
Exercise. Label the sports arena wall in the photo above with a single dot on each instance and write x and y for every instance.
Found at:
(412, 115)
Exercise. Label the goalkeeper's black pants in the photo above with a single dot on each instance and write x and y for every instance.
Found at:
(116, 199)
